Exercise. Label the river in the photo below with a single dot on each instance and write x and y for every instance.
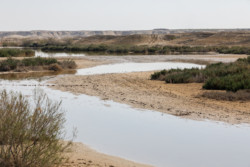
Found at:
(142, 135)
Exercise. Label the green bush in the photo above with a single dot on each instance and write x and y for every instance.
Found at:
(38, 61)
(12, 52)
(185, 76)
(157, 49)
(179, 76)
(157, 75)
(233, 82)
(9, 64)
(220, 76)
(12, 64)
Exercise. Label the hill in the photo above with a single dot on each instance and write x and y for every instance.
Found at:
(187, 37)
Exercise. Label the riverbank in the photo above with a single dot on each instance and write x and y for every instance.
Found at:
(36, 64)
(81, 155)
(81, 62)
(137, 90)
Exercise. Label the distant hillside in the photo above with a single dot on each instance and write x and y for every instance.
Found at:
(188, 37)
(238, 38)
(70, 34)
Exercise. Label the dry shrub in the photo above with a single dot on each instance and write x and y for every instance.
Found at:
(21, 69)
(30, 135)
(241, 95)
(55, 67)
(37, 68)
(68, 64)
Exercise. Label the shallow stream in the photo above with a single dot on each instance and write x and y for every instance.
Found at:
(145, 136)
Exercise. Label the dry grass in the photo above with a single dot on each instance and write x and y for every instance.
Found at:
(241, 95)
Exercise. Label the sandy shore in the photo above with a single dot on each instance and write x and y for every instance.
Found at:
(86, 62)
(81, 155)
(137, 90)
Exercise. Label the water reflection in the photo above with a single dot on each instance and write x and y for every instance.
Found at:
(135, 67)
(142, 135)
(147, 136)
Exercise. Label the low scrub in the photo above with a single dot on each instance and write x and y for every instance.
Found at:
(36, 63)
(68, 64)
(159, 75)
(231, 82)
(185, 76)
(145, 49)
(241, 95)
(31, 134)
(12, 52)
(220, 76)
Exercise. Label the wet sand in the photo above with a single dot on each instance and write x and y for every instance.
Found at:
(81, 155)
(84, 62)
(137, 90)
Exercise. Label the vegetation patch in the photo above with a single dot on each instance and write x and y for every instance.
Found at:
(241, 95)
(145, 49)
(12, 52)
(31, 135)
(37, 63)
(220, 76)
(33, 75)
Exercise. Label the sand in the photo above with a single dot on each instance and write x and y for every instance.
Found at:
(83, 156)
(85, 62)
(137, 90)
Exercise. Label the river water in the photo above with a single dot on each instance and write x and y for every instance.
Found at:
(142, 135)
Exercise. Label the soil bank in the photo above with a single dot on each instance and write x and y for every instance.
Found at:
(137, 90)
(81, 155)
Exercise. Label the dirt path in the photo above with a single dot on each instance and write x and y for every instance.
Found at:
(137, 90)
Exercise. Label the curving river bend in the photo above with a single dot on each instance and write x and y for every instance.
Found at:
(146, 136)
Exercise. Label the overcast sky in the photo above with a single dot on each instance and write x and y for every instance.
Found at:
(122, 14)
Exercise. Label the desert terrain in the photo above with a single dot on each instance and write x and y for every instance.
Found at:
(137, 90)
(171, 37)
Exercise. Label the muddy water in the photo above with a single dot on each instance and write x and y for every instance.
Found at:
(146, 136)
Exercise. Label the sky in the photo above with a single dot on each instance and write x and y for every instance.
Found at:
(22, 15)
